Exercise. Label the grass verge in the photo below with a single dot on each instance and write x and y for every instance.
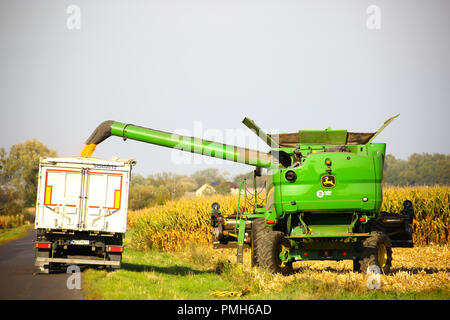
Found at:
(7, 235)
(199, 272)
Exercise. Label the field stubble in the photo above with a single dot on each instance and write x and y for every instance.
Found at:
(182, 227)
(414, 270)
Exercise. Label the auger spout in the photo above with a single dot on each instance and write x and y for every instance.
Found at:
(175, 141)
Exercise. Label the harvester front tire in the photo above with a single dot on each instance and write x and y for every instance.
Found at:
(259, 230)
(269, 250)
(376, 252)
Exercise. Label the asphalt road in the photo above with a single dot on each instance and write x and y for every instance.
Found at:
(17, 281)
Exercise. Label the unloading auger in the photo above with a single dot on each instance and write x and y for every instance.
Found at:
(175, 141)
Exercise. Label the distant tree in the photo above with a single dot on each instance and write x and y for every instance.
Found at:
(158, 188)
(419, 169)
(207, 176)
(141, 196)
(394, 170)
(139, 179)
(20, 168)
(3, 155)
(223, 188)
(249, 176)
(10, 201)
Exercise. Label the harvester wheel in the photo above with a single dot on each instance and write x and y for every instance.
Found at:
(356, 265)
(270, 248)
(259, 230)
(377, 251)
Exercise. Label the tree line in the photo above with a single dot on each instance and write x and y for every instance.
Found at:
(20, 166)
(418, 170)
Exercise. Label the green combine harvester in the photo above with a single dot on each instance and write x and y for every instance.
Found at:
(323, 196)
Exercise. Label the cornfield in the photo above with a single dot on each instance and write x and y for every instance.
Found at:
(12, 221)
(432, 211)
(172, 226)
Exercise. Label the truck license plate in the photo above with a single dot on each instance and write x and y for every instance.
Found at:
(80, 242)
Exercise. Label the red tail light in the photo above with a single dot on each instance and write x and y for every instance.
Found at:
(43, 245)
(362, 219)
(115, 249)
(270, 221)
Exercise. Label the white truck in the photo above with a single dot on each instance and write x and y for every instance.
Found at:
(81, 212)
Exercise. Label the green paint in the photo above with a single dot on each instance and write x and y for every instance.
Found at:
(331, 137)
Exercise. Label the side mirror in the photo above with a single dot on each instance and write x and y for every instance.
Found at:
(258, 171)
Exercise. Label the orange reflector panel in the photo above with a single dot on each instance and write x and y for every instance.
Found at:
(117, 199)
(43, 245)
(48, 195)
(115, 249)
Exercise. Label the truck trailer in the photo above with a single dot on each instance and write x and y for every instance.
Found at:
(81, 212)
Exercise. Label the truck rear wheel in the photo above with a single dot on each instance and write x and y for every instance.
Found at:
(377, 251)
(270, 246)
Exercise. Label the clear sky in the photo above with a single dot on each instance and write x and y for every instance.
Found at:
(200, 67)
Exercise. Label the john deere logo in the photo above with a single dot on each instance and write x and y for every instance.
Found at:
(328, 181)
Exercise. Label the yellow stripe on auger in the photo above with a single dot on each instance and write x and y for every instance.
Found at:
(88, 150)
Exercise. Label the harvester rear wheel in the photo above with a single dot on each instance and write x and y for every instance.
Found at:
(377, 251)
(269, 250)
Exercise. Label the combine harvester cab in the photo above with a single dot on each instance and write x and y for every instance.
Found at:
(81, 212)
(323, 196)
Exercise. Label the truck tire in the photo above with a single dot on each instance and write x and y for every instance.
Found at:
(269, 249)
(376, 251)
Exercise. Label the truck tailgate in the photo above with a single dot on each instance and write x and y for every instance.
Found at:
(84, 194)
